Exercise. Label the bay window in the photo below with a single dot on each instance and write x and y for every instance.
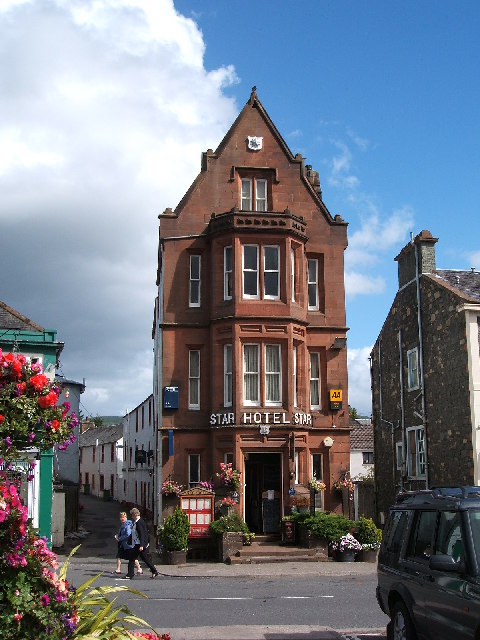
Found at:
(227, 375)
(263, 283)
(250, 271)
(271, 273)
(273, 375)
(251, 374)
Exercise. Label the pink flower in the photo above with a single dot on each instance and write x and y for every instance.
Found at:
(17, 617)
(45, 600)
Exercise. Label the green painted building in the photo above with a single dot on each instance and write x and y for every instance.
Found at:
(20, 334)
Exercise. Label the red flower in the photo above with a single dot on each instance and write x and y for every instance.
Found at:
(2, 418)
(48, 401)
(39, 381)
(55, 425)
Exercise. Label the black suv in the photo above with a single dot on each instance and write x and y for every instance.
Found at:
(429, 565)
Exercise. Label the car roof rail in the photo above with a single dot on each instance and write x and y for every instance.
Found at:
(456, 491)
(427, 496)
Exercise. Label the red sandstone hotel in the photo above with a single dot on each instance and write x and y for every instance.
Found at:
(249, 325)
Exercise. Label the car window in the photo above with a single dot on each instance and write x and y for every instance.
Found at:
(474, 516)
(393, 534)
(449, 535)
(421, 537)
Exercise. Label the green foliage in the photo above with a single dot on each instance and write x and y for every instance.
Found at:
(353, 412)
(173, 533)
(368, 534)
(232, 522)
(328, 526)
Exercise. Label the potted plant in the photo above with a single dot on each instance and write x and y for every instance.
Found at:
(316, 485)
(173, 536)
(231, 533)
(370, 537)
(346, 547)
(319, 530)
(228, 476)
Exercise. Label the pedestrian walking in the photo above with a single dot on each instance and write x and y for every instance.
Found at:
(141, 544)
(124, 540)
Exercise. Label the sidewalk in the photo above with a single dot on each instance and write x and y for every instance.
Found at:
(101, 519)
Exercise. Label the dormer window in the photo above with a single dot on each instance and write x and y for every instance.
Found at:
(254, 194)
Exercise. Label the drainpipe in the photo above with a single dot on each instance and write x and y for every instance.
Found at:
(420, 342)
(157, 384)
(382, 419)
(402, 406)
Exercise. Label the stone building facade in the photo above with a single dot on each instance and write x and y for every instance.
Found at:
(249, 328)
(425, 368)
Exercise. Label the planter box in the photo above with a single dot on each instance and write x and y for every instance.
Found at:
(229, 544)
(312, 541)
(175, 557)
(345, 556)
(369, 555)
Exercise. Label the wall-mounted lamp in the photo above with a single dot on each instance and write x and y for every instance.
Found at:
(339, 343)
(328, 442)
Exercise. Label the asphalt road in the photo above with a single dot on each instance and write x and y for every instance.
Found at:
(201, 600)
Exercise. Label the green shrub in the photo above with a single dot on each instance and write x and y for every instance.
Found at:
(225, 524)
(368, 534)
(173, 533)
(328, 526)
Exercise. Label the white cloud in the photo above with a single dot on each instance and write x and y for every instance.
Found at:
(105, 109)
(474, 259)
(359, 391)
(340, 175)
(361, 284)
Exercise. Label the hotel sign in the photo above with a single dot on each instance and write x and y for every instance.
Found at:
(254, 418)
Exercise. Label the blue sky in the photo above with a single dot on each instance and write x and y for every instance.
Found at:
(107, 106)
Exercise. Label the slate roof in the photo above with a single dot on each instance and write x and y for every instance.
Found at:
(11, 319)
(467, 282)
(361, 435)
(105, 435)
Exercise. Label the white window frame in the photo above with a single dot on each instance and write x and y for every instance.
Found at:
(294, 376)
(296, 467)
(261, 202)
(399, 455)
(292, 274)
(193, 380)
(251, 402)
(420, 459)
(194, 282)
(250, 197)
(227, 273)
(250, 296)
(246, 200)
(275, 250)
(413, 374)
(315, 355)
(312, 285)
(193, 483)
(273, 374)
(227, 375)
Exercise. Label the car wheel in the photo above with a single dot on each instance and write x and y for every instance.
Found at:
(402, 625)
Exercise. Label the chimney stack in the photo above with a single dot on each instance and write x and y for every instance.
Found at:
(425, 244)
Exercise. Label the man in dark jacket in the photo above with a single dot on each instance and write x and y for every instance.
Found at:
(141, 544)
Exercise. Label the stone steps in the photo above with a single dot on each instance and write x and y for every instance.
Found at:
(268, 550)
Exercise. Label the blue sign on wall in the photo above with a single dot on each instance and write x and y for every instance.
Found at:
(170, 397)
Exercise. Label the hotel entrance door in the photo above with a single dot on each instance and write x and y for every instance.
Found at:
(263, 492)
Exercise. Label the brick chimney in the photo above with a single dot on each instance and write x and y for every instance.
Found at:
(426, 258)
